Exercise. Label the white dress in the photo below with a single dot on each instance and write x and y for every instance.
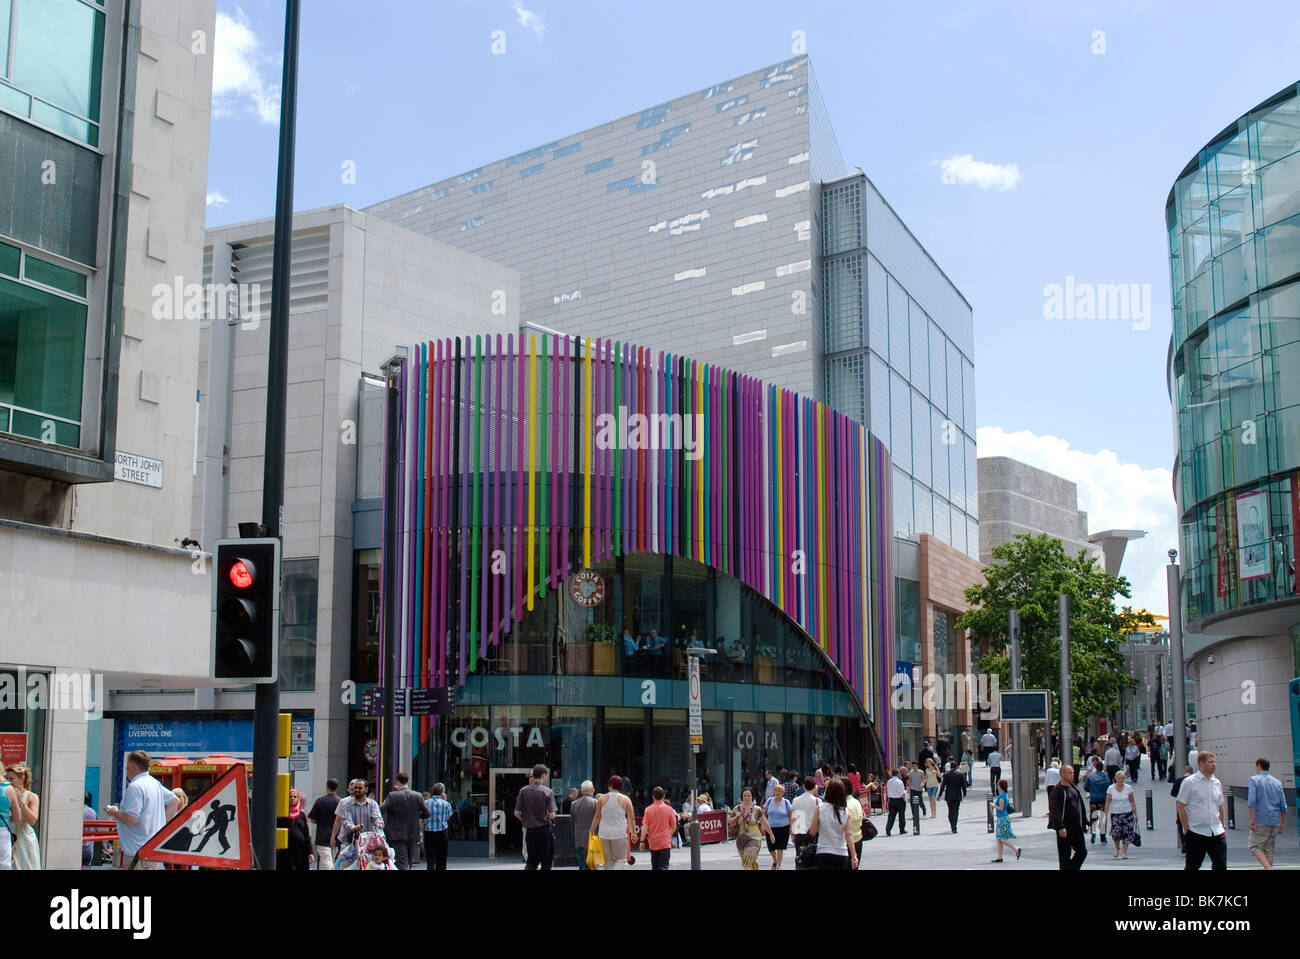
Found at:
(26, 849)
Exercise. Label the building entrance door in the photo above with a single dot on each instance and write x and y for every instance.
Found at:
(505, 833)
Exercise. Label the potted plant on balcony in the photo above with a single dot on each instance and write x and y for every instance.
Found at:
(764, 663)
(601, 637)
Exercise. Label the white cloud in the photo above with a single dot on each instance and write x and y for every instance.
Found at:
(987, 176)
(1115, 495)
(217, 198)
(529, 20)
(237, 81)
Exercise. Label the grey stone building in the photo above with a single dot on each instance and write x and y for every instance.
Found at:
(1016, 499)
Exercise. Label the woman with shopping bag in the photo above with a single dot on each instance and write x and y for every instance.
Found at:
(613, 824)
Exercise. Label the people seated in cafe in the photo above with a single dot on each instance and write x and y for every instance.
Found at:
(631, 650)
(736, 660)
(657, 646)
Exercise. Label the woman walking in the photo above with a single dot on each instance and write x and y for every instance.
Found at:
(1004, 835)
(1133, 757)
(1121, 809)
(26, 810)
(932, 785)
(612, 822)
(830, 824)
(967, 767)
(298, 855)
(854, 779)
(778, 819)
(752, 824)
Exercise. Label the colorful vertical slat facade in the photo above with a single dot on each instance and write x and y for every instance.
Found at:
(525, 461)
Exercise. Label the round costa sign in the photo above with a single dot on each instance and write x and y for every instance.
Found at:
(587, 589)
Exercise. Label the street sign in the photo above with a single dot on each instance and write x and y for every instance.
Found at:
(432, 701)
(1025, 705)
(299, 764)
(211, 831)
(372, 702)
(693, 700)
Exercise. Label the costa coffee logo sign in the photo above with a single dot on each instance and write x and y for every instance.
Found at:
(587, 589)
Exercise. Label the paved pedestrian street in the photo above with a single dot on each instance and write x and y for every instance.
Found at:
(973, 846)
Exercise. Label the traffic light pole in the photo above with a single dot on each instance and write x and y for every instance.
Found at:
(266, 704)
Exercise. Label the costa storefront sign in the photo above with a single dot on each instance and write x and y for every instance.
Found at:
(587, 589)
(713, 826)
(480, 736)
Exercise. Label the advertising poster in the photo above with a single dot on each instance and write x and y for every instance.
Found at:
(1252, 535)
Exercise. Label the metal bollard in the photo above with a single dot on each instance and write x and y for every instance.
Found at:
(1151, 818)
(1232, 811)
(989, 807)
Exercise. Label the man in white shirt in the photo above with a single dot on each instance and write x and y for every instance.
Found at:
(896, 794)
(1201, 814)
(995, 770)
(142, 813)
(1113, 760)
(988, 741)
(801, 813)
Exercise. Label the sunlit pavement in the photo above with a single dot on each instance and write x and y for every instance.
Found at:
(973, 846)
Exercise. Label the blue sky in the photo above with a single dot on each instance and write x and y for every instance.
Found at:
(411, 92)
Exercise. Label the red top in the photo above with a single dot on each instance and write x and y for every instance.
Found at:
(660, 821)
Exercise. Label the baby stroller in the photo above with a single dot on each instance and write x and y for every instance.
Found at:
(369, 851)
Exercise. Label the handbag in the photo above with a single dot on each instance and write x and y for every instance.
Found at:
(1137, 837)
(733, 827)
(869, 831)
(805, 856)
(595, 854)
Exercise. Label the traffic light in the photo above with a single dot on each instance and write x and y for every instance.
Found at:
(246, 611)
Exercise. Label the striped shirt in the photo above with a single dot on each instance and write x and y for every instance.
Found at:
(439, 813)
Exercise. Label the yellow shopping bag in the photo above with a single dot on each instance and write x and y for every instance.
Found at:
(595, 855)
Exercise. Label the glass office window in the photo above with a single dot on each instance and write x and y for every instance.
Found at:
(900, 349)
(299, 585)
(58, 58)
(904, 519)
(42, 349)
(842, 282)
(878, 382)
(6, 11)
(923, 499)
(877, 307)
(943, 436)
(900, 433)
(921, 438)
(954, 404)
(920, 339)
(938, 368)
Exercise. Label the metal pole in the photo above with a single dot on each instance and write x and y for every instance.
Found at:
(393, 372)
(1067, 724)
(1020, 742)
(266, 699)
(1174, 582)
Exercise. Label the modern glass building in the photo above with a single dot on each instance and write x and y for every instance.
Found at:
(577, 516)
(1233, 218)
(725, 224)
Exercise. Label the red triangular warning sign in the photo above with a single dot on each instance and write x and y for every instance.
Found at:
(211, 831)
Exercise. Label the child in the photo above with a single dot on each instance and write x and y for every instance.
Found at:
(379, 859)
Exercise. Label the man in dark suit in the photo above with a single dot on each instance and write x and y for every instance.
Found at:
(403, 808)
(951, 790)
(1066, 813)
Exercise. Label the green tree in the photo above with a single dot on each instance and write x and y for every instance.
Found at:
(1028, 574)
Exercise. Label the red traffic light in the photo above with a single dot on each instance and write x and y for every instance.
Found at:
(241, 574)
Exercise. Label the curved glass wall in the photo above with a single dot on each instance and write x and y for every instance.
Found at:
(1234, 249)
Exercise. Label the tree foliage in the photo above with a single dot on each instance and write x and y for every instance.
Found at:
(1028, 574)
